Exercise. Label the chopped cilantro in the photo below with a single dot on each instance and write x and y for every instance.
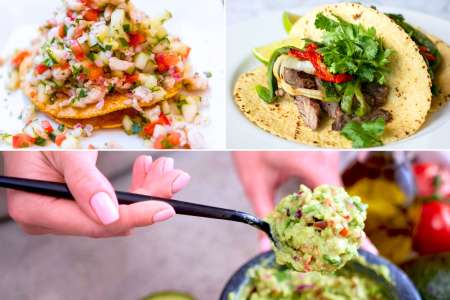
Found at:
(123, 42)
(126, 28)
(366, 134)
(108, 47)
(40, 141)
(352, 49)
(76, 70)
(49, 62)
(180, 103)
(208, 74)
(61, 128)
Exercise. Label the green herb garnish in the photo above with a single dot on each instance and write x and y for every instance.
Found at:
(365, 134)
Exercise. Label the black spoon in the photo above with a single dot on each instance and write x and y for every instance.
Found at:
(60, 190)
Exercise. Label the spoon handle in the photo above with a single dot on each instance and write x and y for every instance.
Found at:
(60, 190)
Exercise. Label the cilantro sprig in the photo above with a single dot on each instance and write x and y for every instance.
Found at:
(353, 49)
(365, 134)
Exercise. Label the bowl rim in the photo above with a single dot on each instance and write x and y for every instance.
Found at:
(236, 278)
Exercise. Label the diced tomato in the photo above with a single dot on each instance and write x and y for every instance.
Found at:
(77, 50)
(169, 141)
(61, 31)
(40, 69)
(47, 126)
(166, 61)
(311, 54)
(136, 38)
(150, 127)
(131, 78)
(86, 2)
(70, 14)
(78, 31)
(23, 140)
(59, 139)
(19, 57)
(91, 15)
(94, 73)
(344, 232)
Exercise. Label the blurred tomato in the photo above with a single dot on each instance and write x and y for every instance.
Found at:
(432, 180)
(432, 234)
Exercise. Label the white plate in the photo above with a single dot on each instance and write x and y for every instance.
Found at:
(243, 37)
(202, 29)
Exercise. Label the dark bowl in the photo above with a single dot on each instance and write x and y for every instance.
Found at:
(403, 288)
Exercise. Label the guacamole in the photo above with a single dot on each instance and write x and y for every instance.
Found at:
(277, 283)
(317, 230)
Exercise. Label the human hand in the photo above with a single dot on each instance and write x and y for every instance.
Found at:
(262, 173)
(96, 212)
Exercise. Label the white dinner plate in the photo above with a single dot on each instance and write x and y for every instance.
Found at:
(243, 37)
(199, 23)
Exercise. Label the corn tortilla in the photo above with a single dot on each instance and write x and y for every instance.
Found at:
(409, 99)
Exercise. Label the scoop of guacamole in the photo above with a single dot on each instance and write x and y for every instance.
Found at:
(276, 283)
(317, 230)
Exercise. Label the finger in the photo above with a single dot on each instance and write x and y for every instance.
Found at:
(142, 214)
(265, 244)
(140, 168)
(368, 246)
(34, 230)
(164, 186)
(92, 191)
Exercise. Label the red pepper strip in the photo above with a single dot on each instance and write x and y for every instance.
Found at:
(427, 53)
(317, 61)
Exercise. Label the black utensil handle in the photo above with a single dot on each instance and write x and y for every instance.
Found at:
(61, 190)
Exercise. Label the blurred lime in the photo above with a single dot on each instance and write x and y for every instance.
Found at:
(264, 53)
(169, 295)
(289, 19)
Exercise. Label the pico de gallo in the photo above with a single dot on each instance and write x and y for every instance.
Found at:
(92, 49)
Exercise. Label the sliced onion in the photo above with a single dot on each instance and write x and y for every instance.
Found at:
(313, 94)
(298, 65)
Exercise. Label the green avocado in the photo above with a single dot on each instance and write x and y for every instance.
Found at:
(431, 275)
(169, 295)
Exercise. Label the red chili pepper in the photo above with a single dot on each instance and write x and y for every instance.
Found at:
(316, 59)
(427, 53)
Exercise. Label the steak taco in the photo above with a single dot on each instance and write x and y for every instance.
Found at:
(357, 80)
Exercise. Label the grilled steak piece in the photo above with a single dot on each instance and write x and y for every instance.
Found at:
(299, 79)
(375, 94)
(335, 112)
(309, 111)
(331, 108)
(376, 114)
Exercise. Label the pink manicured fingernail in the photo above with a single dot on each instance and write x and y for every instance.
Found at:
(265, 244)
(148, 163)
(180, 182)
(105, 208)
(163, 215)
(167, 165)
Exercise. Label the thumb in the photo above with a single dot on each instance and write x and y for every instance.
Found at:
(91, 189)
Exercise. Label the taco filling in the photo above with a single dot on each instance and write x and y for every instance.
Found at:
(342, 77)
(427, 48)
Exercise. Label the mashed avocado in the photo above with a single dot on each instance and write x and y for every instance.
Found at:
(317, 230)
(270, 283)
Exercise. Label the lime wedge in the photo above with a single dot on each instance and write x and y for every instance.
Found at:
(289, 19)
(264, 53)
